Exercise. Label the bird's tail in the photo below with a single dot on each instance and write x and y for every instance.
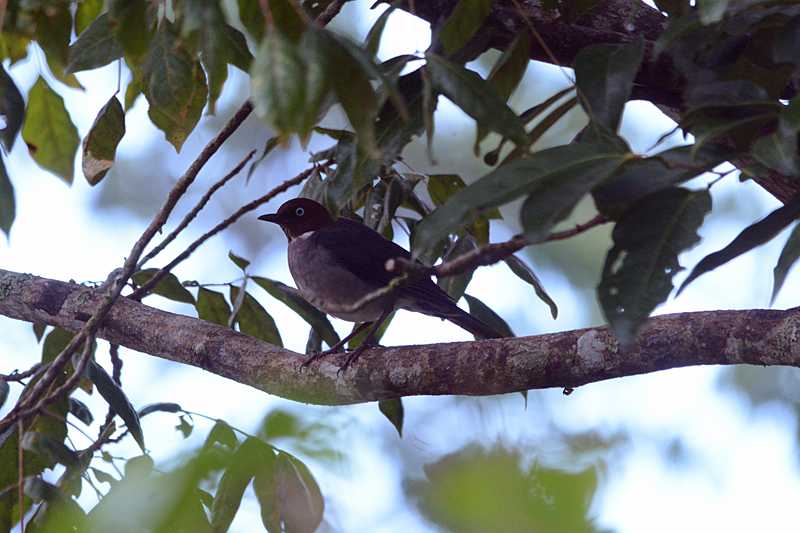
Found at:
(475, 326)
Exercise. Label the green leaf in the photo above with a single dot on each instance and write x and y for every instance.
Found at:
(223, 434)
(476, 97)
(639, 177)
(288, 83)
(117, 400)
(48, 131)
(169, 287)
(53, 31)
(315, 318)
(54, 343)
(555, 196)
(300, 502)
(4, 390)
(526, 274)
(86, 12)
(54, 451)
(246, 461)
(752, 236)
(252, 18)
(545, 170)
(130, 24)
(373, 40)
(97, 46)
(506, 74)
(100, 144)
(463, 24)
(456, 285)
(604, 75)
(239, 261)
(789, 256)
(176, 86)
(778, 151)
(711, 11)
(254, 320)
(79, 410)
(483, 312)
(783, 45)
(639, 268)
(203, 24)
(349, 70)
(394, 412)
(161, 407)
(12, 107)
(212, 307)
(238, 53)
(8, 205)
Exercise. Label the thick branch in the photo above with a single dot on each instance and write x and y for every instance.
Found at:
(568, 359)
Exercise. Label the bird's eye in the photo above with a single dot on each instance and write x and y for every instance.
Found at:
(299, 211)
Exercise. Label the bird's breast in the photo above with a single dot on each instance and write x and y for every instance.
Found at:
(329, 284)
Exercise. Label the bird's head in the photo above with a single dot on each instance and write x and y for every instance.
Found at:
(300, 216)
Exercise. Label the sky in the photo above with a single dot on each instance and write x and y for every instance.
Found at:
(696, 456)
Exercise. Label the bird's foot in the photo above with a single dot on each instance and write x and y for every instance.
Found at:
(318, 355)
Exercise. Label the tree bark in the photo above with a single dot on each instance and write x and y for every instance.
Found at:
(565, 360)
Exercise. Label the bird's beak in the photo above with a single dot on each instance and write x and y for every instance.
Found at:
(272, 217)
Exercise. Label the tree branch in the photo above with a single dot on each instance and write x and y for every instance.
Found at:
(567, 359)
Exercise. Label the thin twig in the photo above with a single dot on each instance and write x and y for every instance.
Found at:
(485, 255)
(195, 210)
(120, 277)
(331, 11)
(19, 376)
(139, 293)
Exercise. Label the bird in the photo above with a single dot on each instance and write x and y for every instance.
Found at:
(335, 263)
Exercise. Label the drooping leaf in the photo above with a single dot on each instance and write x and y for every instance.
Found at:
(100, 144)
(526, 273)
(778, 151)
(116, 399)
(86, 12)
(483, 312)
(96, 47)
(202, 24)
(79, 410)
(475, 96)
(506, 74)
(161, 407)
(239, 261)
(4, 390)
(169, 286)
(246, 461)
(130, 24)
(394, 412)
(638, 272)
(48, 131)
(315, 318)
(463, 23)
(604, 75)
(300, 501)
(223, 434)
(373, 40)
(289, 84)
(789, 256)
(583, 163)
(8, 205)
(53, 450)
(254, 320)
(456, 285)
(176, 86)
(554, 197)
(638, 178)
(752, 236)
(211, 306)
(12, 108)
(349, 70)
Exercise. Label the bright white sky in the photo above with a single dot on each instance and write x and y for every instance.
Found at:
(738, 469)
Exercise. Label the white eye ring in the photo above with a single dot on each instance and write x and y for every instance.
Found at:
(299, 211)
